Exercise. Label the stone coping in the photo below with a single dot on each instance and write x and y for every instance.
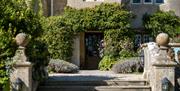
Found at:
(164, 64)
(23, 64)
(174, 44)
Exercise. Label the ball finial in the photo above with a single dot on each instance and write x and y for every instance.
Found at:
(21, 39)
(162, 39)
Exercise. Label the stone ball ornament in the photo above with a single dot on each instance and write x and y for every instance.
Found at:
(21, 39)
(162, 39)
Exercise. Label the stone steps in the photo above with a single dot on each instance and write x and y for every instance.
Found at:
(96, 85)
(94, 88)
(95, 81)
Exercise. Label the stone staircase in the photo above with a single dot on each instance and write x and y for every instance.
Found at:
(94, 83)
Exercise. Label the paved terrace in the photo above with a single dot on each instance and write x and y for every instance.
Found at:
(93, 75)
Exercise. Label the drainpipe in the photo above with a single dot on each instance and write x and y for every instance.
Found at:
(52, 7)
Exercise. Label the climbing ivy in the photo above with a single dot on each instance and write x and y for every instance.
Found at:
(99, 18)
(59, 38)
(112, 19)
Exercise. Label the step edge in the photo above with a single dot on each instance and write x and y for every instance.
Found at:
(131, 87)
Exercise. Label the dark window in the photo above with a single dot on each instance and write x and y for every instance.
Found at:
(147, 1)
(159, 1)
(136, 1)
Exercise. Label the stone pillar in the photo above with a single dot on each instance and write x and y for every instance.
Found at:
(162, 68)
(149, 49)
(159, 63)
(75, 59)
(21, 77)
(162, 71)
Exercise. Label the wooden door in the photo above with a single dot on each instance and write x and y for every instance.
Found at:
(92, 44)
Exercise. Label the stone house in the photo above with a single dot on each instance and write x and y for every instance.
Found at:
(82, 56)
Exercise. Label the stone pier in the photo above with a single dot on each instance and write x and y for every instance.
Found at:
(160, 64)
(21, 77)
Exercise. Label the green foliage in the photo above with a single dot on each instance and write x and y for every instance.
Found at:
(59, 38)
(106, 63)
(38, 54)
(3, 74)
(101, 17)
(116, 41)
(16, 18)
(105, 17)
(5, 69)
(112, 19)
(124, 53)
(160, 21)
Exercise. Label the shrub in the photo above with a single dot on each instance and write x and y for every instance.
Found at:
(161, 21)
(116, 41)
(106, 63)
(61, 66)
(3, 74)
(16, 18)
(118, 45)
(38, 55)
(124, 53)
(58, 37)
(128, 66)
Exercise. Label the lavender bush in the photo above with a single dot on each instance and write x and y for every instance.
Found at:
(61, 66)
(128, 66)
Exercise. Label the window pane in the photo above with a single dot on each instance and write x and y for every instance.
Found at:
(159, 1)
(136, 1)
(147, 1)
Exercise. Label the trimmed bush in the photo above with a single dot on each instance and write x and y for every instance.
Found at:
(128, 66)
(61, 66)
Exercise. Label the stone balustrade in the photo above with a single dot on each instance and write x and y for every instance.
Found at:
(160, 63)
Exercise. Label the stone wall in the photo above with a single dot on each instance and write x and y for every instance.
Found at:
(84, 4)
(173, 5)
(58, 5)
(139, 11)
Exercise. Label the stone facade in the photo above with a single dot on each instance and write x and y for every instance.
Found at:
(140, 9)
(55, 7)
